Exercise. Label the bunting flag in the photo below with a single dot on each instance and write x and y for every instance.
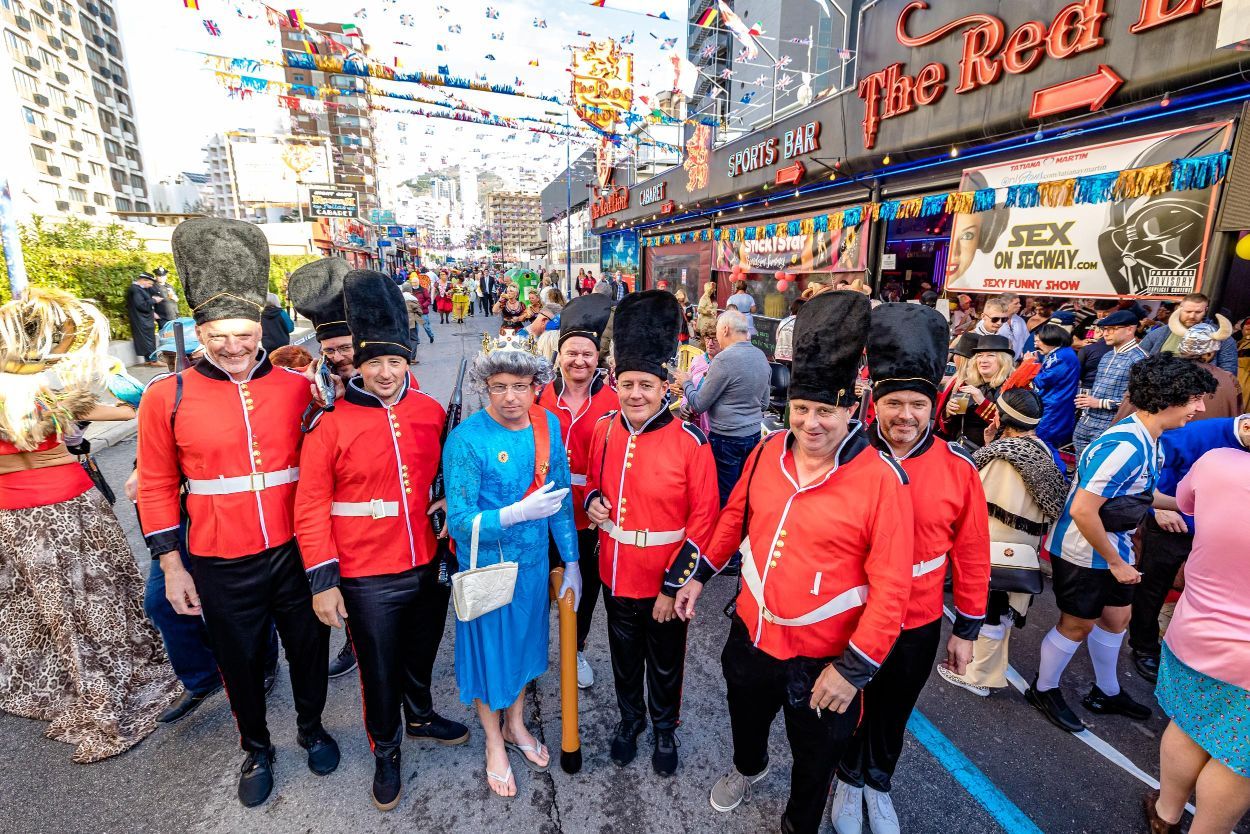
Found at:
(351, 30)
(192, 4)
(443, 69)
(599, 4)
(708, 50)
(747, 98)
(626, 40)
(708, 19)
(540, 23)
(533, 62)
(668, 43)
(454, 28)
(582, 34)
(213, 28)
(492, 13)
(294, 18)
(310, 48)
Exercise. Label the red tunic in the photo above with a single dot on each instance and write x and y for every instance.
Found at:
(847, 535)
(361, 452)
(27, 488)
(576, 431)
(659, 478)
(223, 429)
(952, 523)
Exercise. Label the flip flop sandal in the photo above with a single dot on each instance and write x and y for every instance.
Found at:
(525, 750)
(503, 780)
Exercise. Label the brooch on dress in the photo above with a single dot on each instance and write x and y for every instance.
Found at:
(503, 457)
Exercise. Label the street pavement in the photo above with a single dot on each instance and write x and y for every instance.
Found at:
(972, 765)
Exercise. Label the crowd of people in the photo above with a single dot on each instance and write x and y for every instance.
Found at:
(927, 461)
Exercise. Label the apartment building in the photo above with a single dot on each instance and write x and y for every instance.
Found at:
(514, 220)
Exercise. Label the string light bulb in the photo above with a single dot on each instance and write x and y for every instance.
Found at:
(885, 160)
(1167, 99)
(954, 151)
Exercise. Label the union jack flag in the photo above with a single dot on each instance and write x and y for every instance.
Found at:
(213, 28)
(708, 50)
(492, 13)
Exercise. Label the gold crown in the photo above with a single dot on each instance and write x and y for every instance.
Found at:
(509, 341)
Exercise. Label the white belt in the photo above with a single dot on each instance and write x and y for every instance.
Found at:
(577, 480)
(930, 566)
(845, 601)
(377, 508)
(254, 482)
(643, 538)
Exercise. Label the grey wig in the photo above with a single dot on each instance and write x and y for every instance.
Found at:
(515, 362)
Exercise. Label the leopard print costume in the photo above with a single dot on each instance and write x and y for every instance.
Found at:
(75, 646)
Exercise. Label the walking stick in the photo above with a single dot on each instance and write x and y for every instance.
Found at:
(570, 740)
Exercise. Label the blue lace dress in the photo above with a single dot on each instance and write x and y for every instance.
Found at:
(487, 467)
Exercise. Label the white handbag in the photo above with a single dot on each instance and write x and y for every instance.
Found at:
(1015, 568)
(478, 591)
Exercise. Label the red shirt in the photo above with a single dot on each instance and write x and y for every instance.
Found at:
(362, 451)
(29, 488)
(662, 478)
(224, 429)
(576, 431)
(851, 529)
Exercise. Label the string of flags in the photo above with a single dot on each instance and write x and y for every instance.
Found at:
(1184, 174)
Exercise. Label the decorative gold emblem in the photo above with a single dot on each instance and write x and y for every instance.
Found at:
(503, 457)
(542, 469)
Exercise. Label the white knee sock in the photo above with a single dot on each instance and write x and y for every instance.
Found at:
(1104, 651)
(1057, 652)
(993, 632)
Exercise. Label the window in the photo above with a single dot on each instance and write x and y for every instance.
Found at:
(41, 154)
(42, 23)
(112, 148)
(58, 96)
(97, 170)
(82, 106)
(101, 199)
(123, 204)
(31, 117)
(18, 47)
(50, 59)
(101, 88)
(136, 182)
(51, 190)
(92, 140)
(27, 86)
(77, 195)
(73, 165)
(297, 76)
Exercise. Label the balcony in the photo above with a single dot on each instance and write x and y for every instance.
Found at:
(115, 131)
(129, 137)
(106, 18)
(97, 40)
(111, 49)
(93, 9)
(117, 79)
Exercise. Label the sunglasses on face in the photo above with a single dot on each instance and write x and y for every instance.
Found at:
(996, 319)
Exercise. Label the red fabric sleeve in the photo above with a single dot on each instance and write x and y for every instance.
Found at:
(703, 497)
(727, 535)
(594, 465)
(313, 495)
(889, 571)
(159, 475)
(970, 552)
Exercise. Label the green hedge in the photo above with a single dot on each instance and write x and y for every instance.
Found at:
(103, 274)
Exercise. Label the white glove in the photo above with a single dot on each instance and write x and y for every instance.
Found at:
(572, 579)
(541, 503)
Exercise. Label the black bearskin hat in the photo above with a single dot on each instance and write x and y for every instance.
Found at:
(376, 316)
(644, 332)
(223, 266)
(586, 316)
(907, 347)
(829, 336)
(316, 290)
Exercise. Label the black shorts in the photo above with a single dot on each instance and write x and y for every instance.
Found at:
(1084, 592)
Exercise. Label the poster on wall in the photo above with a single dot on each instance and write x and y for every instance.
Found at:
(1144, 246)
(837, 250)
(618, 252)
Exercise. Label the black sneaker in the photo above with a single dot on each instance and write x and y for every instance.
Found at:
(185, 705)
(664, 759)
(438, 729)
(271, 677)
(387, 781)
(256, 777)
(625, 741)
(1051, 704)
(1147, 666)
(1119, 704)
(344, 661)
(323, 752)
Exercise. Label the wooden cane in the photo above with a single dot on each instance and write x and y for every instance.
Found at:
(570, 740)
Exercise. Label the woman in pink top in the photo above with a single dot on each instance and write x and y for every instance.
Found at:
(1204, 674)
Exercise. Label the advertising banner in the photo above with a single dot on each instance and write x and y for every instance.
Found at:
(1153, 245)
(837, 250)
(618, 252)
(331, 202)
(271, 172)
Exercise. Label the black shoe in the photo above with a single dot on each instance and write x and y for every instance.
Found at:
(185, 705)
(1147, 666)
(323, 752)
(625, 741)
(431, 340)
(256, 777)
(387, 781)
(271, 677)
(664, 759)
(344, 661)
(1119, 704)
(438, 729)
(1052, 705)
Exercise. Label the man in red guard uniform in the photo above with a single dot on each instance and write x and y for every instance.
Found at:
(316, 291)
(651, 489)
(907, 346)
(230, 426)
(826, 569)
(362, 518)
(579, 396)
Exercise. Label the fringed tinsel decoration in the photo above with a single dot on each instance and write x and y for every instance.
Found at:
(825, 221)
(959, 202)
(887, 210)
(853, 216)
(984, 199)
(1193, 172)
(1143, 182)
(1096, 188)
(910, 208)
(1057, 193)
(1022, 196)
(933, 204)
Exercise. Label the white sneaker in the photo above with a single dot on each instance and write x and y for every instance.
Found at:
(955, 680)
(881, 816)
(847, 811)
(585, 675)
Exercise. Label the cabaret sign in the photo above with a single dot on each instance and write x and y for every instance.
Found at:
(795, 142)
(652, 194)
(989, 51)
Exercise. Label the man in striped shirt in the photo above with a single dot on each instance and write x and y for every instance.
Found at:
(1119, 330)
(1091, 548)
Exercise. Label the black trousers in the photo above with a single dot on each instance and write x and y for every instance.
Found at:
(758, 686)
(240, 598)
(642, 647)
(588, 560)
(889, 698)
(1162, 555)
(397, 624)
(486, 304)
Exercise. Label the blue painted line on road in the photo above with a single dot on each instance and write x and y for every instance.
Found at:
(986, 793)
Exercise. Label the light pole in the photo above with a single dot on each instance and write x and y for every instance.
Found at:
(568, 200)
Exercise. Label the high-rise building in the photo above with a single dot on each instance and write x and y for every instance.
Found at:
(72, 148)
(514, 220)
(348, 125)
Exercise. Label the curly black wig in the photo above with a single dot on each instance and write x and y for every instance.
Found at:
(1164, 381)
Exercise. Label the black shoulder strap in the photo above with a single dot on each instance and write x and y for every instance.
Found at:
(177, 401)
